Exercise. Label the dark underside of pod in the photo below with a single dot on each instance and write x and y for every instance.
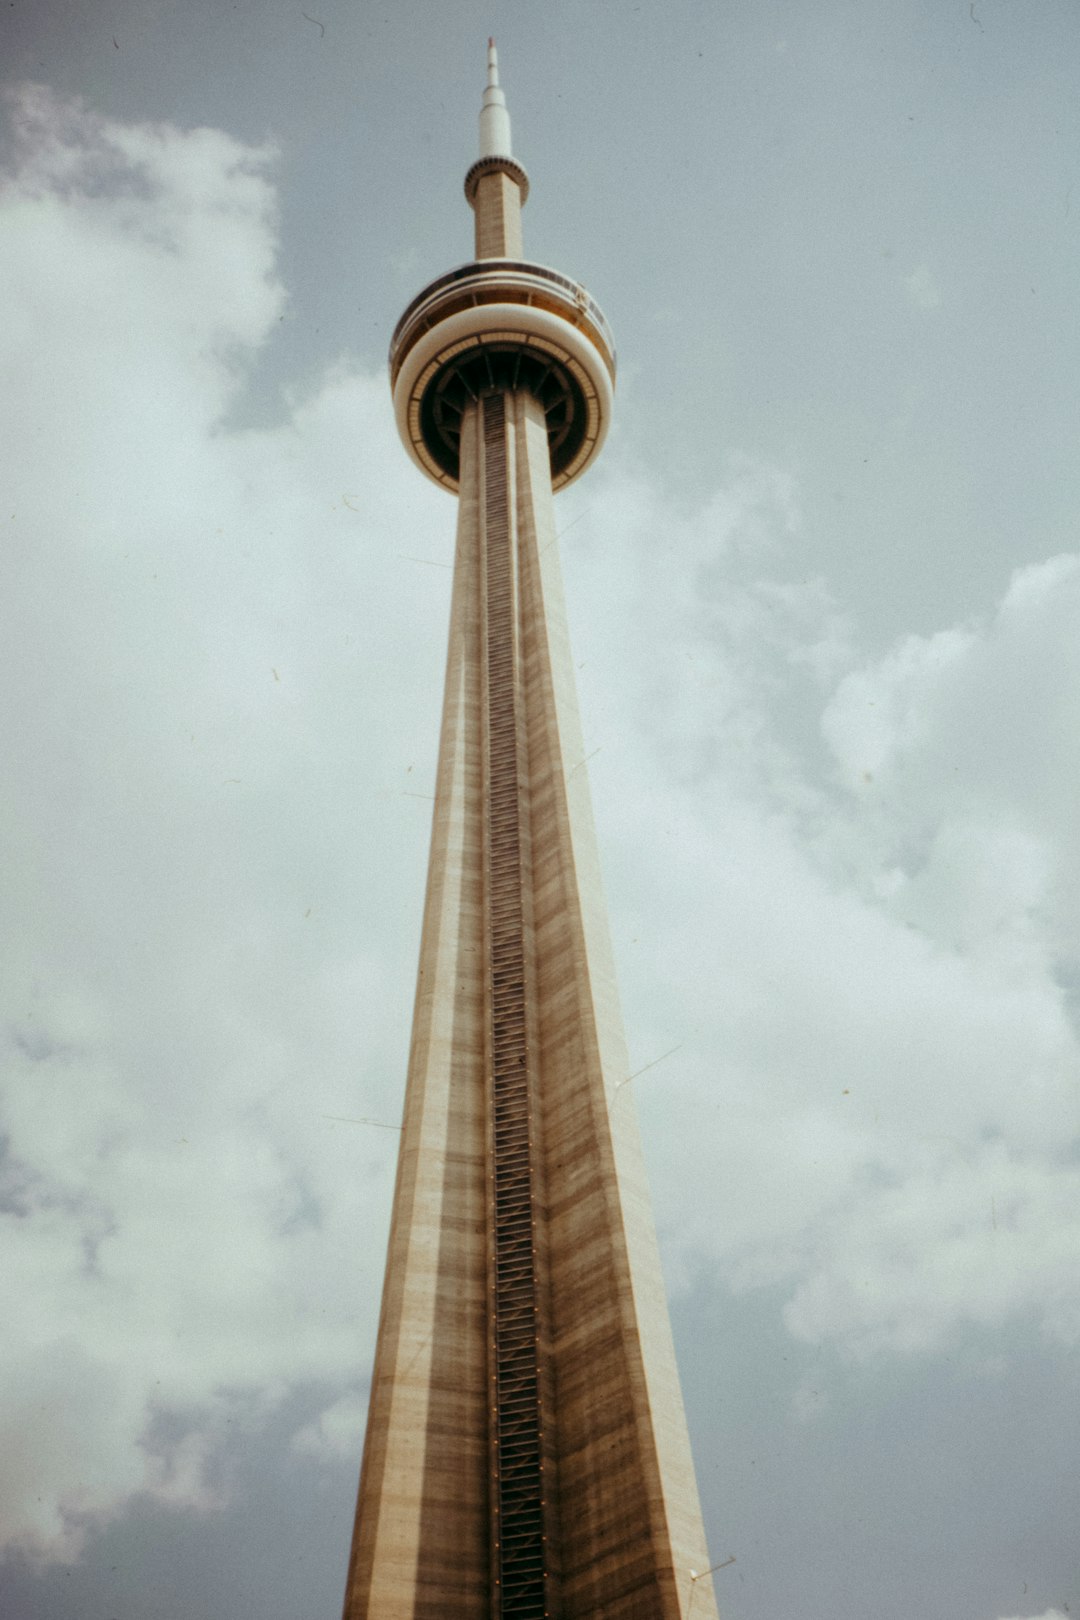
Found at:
(493, 367)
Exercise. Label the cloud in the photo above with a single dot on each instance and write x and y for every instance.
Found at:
(853, 921)
(840, 885)
(922, 289)
(1048, 1614)
(201, 763)
(337, 1434)
(959, 748)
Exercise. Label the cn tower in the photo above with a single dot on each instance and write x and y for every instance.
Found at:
(527, 1452)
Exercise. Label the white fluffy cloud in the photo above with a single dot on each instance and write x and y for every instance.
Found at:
(961, 750)
(204, 798)
(856, 929)
(841, 890)
(1048, 1614)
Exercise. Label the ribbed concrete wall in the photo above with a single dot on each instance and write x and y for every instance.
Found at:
(617, 1488)
(497, 231)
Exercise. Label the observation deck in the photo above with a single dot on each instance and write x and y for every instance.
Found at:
(497, 324)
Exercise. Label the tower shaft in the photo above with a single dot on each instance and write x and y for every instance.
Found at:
(498, 216)
(526, 1451)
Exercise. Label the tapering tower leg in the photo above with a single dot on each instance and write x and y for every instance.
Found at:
(421, 1546)
(629, 1517)
(527, 1451)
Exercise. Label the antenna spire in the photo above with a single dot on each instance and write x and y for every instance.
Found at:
(494, 118)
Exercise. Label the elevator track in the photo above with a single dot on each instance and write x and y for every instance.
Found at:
(518, 1511)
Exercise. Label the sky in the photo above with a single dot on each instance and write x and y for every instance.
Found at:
(824, 590)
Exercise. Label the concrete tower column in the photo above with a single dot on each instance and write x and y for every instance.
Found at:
(527, 1452)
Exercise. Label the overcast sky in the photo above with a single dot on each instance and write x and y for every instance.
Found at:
(825, 592)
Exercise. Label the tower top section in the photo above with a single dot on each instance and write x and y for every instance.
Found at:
(496, 157)
(499, 324)
(494, 118)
